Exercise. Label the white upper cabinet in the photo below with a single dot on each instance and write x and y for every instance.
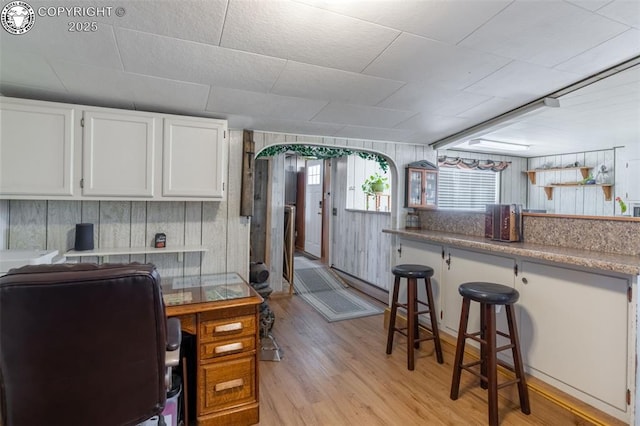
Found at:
(119, 151)
(36, 149)
(194, 158)
(115, 155)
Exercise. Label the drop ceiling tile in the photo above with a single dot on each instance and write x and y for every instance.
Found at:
(490, 108)
(151, 94)
(418, 60)
(22, 67)
(51, 39)
(94, 82)
(430, 19)
(310, 81)
(235, 101)
(625, 11)
(614, 51)
(373, 133)
(303, 33)
(182, 60)
(195, 20)
(432, 98)
(359, 115)
(591, 5)
(542, 32)
(430, 122)
(295, 127)
(37, 93)
(523, 82)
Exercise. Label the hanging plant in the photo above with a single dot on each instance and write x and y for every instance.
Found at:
(323, 152)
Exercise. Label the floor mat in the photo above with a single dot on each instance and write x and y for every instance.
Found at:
(323, 290)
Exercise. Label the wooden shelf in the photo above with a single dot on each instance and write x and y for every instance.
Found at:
(532, 173)
(105, 252)
(606, 188)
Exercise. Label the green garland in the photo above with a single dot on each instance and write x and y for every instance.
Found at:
(323, 152)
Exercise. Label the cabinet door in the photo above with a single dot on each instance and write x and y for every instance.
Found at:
(633, 177)
(573, 328)
(430, 189)
(36, 150)
(194, 158)
(118, 154)
(414, 188)
(428, 255)
(463, 266)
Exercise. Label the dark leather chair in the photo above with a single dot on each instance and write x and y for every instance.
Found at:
(82, 345)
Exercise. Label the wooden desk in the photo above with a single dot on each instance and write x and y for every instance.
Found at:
(222, 312)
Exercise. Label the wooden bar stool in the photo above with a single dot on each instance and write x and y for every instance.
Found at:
(489, 295)
(412, 273)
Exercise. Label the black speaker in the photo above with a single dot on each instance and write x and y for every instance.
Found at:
(84, 236)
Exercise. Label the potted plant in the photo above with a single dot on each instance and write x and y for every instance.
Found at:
(375, 184)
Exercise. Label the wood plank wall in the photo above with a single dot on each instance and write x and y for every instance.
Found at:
(582, 200)
(217, 225)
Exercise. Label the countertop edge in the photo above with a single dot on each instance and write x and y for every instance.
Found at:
(623, 264)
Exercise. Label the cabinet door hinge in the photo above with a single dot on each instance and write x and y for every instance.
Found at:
(224, 134)
(443, 252)
(515, 269)
(82, 183)
(629, 293)
(223, 186)
(441, 314)
(628, 397)
(82, 122)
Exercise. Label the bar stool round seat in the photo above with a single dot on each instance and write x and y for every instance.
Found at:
(490, 293)
(413, 273)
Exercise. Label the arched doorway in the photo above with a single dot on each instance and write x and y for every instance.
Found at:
(345, 231)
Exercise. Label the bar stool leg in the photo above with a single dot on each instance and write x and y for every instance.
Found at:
(523, 391)
(492, 367)
(434, 321)
(416, 329)
(411, 318)
(392, 317)
(457, 363)
(483, 345)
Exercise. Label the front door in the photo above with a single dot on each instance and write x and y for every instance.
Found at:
(313, 208)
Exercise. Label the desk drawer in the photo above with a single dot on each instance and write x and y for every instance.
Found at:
(227, 384)
(227, 347)
(227, 328)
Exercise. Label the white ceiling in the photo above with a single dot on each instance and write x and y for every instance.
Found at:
(397, 70)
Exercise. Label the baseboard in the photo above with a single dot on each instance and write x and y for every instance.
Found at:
(537, 388)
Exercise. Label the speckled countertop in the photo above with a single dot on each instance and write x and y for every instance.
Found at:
(620, 263)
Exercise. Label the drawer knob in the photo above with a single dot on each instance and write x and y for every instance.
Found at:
(234, 326)
(229, 348)
(235, 383)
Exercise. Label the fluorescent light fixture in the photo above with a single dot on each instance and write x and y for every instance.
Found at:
(503, 146)
(495, 123)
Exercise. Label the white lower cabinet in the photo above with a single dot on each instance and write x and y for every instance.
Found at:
(463, 266)
(423, 254)
(119, 152)
(36, 149)
(574, 329)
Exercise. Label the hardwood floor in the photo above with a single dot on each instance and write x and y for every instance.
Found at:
(339, 374)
